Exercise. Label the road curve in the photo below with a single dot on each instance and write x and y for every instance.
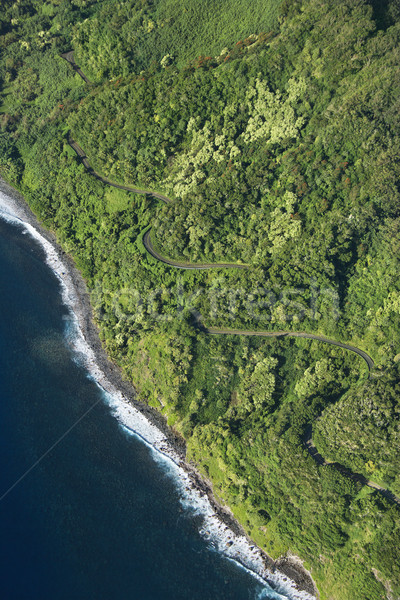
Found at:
(128, 188)
(300, 334)
(308, 442)
(312, 450)
(69, 57)
(186, 265)
(146, 238)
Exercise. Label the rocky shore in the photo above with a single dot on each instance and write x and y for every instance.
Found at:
(289, 566)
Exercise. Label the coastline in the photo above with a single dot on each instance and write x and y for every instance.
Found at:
(285, 575)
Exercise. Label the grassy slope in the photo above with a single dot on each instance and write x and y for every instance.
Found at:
(128, 37)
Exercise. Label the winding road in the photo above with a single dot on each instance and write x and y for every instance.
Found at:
(308, 442)
(127, 188)
(186, 265)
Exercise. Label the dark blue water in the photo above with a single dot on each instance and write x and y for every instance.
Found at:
(97, 518)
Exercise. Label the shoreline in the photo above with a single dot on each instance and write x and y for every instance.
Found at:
(286, 574)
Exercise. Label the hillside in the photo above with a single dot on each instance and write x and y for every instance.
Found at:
(272, 134)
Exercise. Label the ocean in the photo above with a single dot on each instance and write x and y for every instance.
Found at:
(90, 509)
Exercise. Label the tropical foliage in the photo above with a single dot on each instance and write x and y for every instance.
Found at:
(276, 135)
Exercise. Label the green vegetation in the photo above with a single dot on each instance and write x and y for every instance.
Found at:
(126, 37)
(281, 152)
(374, 448)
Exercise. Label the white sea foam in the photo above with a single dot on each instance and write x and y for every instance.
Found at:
(220, 537)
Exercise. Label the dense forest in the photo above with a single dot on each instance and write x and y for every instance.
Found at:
(273, 127)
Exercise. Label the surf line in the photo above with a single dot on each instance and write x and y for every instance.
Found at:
(234, 547)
